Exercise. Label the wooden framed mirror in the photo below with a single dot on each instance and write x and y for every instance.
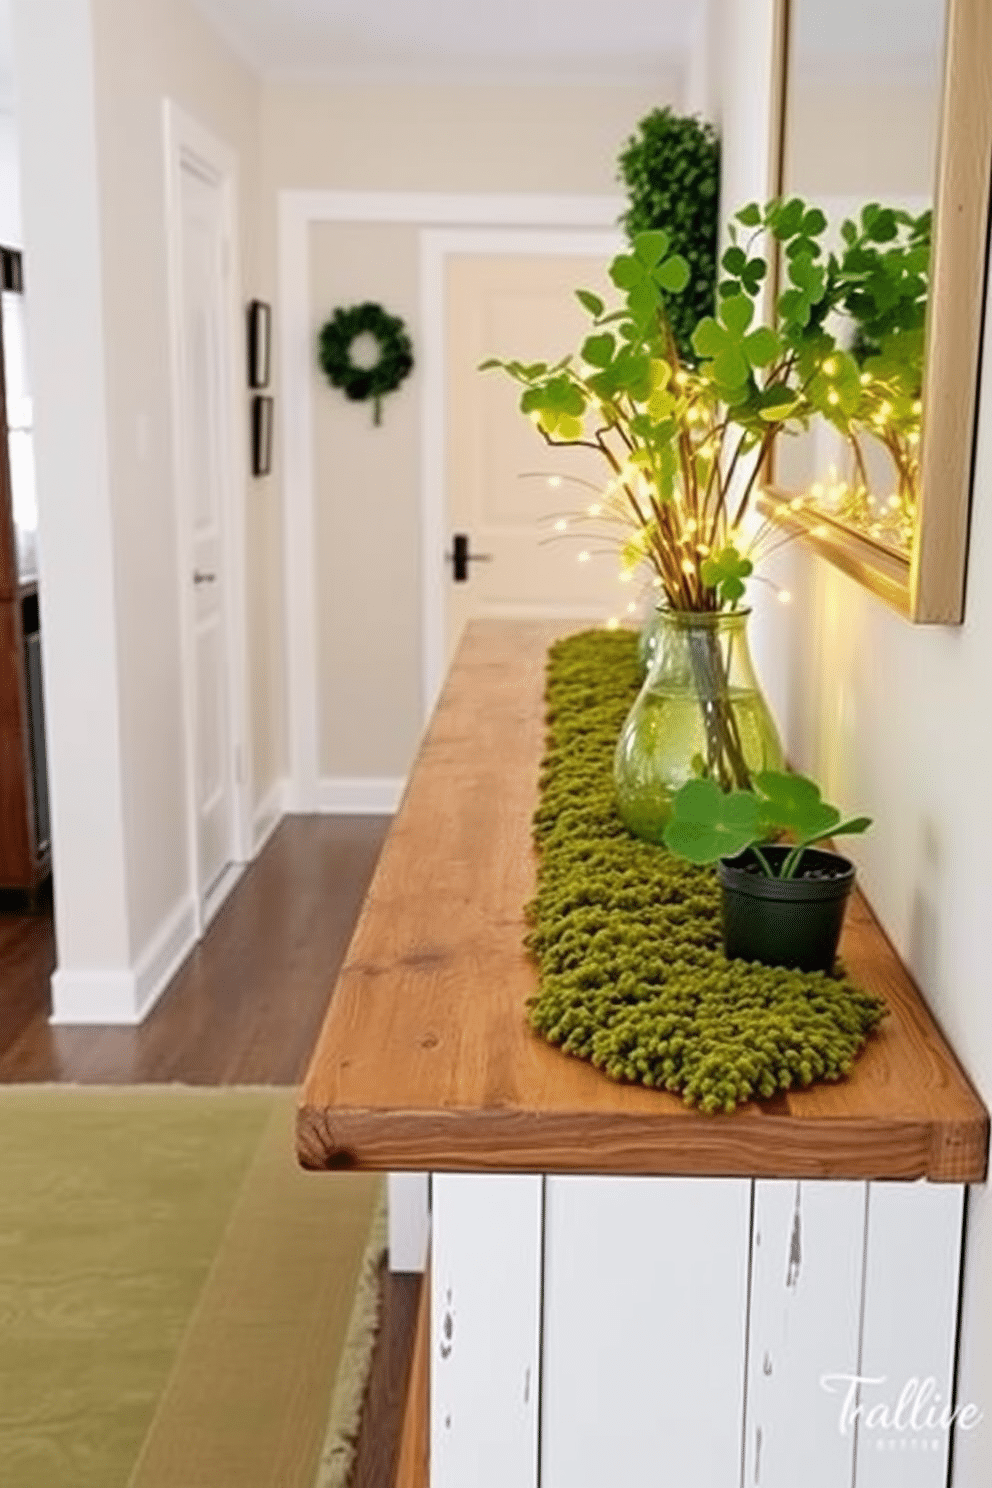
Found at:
(892, 103)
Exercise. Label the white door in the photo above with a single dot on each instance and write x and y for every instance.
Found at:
(521, 506)
(205, 443)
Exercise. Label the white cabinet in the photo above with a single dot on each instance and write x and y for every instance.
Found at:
(485, 1330)
(645, 1304)
(912, 1282)
(807, 1263)
(703, 1332)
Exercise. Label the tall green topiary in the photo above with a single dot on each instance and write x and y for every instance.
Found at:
(671, 169)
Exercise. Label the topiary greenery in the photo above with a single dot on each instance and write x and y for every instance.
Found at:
(627, 936)
(671, 169)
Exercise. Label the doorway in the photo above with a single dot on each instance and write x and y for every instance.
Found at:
(210, 474)
(490, 484)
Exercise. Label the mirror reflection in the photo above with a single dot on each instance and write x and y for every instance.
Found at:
(860, 138)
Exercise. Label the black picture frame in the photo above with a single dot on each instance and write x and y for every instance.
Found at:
(261, 434)
(259, 343)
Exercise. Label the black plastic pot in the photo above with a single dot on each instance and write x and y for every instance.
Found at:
(785, 921)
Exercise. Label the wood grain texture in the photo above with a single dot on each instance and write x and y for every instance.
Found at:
(413, 1468)
(425, 1059)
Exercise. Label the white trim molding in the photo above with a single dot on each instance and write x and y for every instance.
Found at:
(450, 223)
(363, 795)
(127, 996)
(268, 814)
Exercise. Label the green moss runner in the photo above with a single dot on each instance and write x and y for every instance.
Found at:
(627, 937)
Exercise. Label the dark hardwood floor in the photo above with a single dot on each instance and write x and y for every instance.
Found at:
(244, 1009)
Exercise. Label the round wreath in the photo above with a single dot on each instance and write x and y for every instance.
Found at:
(394, 362)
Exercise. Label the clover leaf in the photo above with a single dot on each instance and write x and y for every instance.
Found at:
(708, 823)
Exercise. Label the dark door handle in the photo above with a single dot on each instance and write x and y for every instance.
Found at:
(199, 577)
(461, 557)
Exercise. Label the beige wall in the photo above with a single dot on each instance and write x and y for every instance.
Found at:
(443, 139)
(448, 138)
(142, 54)
(367, 507)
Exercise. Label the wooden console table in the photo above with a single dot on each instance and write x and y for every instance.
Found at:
(678, 1304)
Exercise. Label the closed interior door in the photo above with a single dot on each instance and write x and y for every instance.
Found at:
(508, 493)
(205, 373)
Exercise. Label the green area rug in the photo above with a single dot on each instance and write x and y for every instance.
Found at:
(176, 1296)
(627, 937)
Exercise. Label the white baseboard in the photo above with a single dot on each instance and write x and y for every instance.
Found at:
(126, 996)
(359, 795)
(163, 956)
(93, 997)
(268, 814)
(218, 895)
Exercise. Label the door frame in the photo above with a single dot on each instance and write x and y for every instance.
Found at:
(188, 143)
(442, 219)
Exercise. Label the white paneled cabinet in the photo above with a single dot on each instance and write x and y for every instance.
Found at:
(645, 1290)
(700, 1332)
(807, 1261)
(485, 1330)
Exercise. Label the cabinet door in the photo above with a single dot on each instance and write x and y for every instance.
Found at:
(645, 1308)
(485, 1326)
(912, 1280)
(806, 1282)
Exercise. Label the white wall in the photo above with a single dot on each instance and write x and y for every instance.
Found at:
(92, 76)
(79, 597)
(11, 230)
(895, 720)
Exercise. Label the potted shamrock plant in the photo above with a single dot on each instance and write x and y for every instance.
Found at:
(783, 903)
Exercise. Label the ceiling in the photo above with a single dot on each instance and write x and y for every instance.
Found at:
(475, 40)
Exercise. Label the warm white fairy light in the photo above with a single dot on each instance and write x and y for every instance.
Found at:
(865, 379)
(584, 556)
(595, 509)
(554, 481)
(917, 407)
(626, 576)
(613, 623)
(820, 531)
(632, 608)
(784, 596)
(893, 502)
(829, 367)
(797, 503)
(561, 525)
(688, 566)
(833, 397)
(816, 491)
(691, 525)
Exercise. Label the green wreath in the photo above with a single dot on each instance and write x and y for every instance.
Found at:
(395, 359)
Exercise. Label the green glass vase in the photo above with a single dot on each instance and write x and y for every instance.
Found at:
(699, 712)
